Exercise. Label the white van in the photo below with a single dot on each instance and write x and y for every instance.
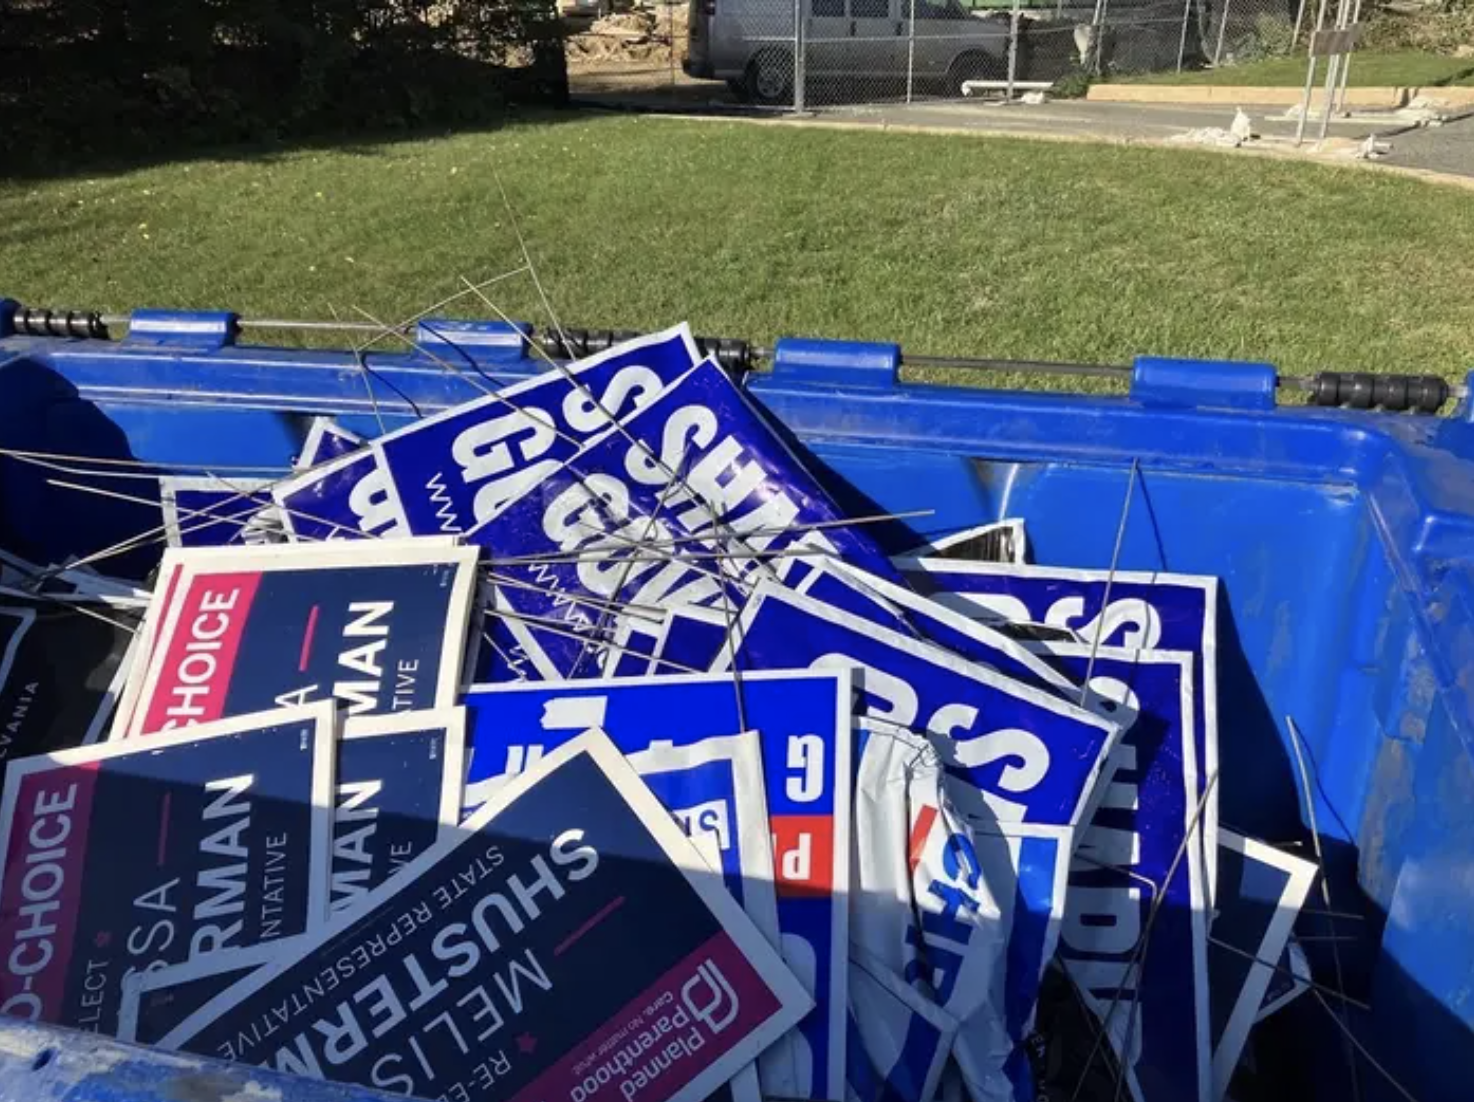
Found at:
(749, 44)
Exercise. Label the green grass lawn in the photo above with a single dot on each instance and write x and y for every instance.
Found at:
(988, 247)
(1406, 70)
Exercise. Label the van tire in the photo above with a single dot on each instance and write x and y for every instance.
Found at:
(769, 78)
(975, 65)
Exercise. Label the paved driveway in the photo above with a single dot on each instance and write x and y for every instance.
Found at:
(1448, 148)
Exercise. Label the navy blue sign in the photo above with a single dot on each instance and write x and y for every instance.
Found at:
(803, 720)
(398, 787)
(450, 472)
(989, 905)
(1260, 893)
(500, 659)
(124, 855)
(1029, 756)
(264, 630)
(634, 647)
(59, 670)
(551, 949)
(157, 1002)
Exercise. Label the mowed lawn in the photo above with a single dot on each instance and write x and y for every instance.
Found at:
(956, 246)
(1372, 69)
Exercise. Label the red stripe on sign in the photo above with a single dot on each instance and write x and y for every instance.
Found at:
(919, 830)
(199, 654)
(599, 916)
(305, 655)
(44, 863)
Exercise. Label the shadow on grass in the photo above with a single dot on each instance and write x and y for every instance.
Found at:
(126, 122)
(363, 142)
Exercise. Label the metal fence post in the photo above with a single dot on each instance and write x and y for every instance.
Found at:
(910, 50)
(1187, 8)
(1320, 21)
(1332, 71)
(1346, 63)
(1097, 47)
(1222, 28)
(1013, 24)
(1305, 99)
(798, 54)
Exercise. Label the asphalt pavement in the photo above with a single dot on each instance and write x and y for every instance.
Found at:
(1448, 148)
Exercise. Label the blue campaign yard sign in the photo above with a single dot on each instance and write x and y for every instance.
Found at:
(1261, 891)
(381, 628)
(450, 472)
(698, 461)
(1147, 610)
(155, 1003)
(398, 788)
(205, 511)
(563, 932)
(1139, 862)
(894, 606)
(128, 854)
(803, 719)
(1029, 756)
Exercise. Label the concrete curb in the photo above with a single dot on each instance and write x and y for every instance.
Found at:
(1234, 95)
(1427, 176)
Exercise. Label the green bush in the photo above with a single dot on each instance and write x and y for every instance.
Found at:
(1073, 85)
(79, 78)
(1271, 37)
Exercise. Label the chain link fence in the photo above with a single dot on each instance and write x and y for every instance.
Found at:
(815, 54)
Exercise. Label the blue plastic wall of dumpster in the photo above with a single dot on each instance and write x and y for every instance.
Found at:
(1345, 542)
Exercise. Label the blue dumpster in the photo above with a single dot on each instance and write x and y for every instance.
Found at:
(1344, 541)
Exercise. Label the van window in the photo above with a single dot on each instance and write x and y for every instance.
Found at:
(870, 9)
(824, 8)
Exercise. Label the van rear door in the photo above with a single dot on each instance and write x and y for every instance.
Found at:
(699, 15)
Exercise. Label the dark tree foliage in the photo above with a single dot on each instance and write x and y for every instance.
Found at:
(82, 77)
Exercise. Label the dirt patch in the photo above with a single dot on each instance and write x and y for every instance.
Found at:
(644, 34)
(1444, 27)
